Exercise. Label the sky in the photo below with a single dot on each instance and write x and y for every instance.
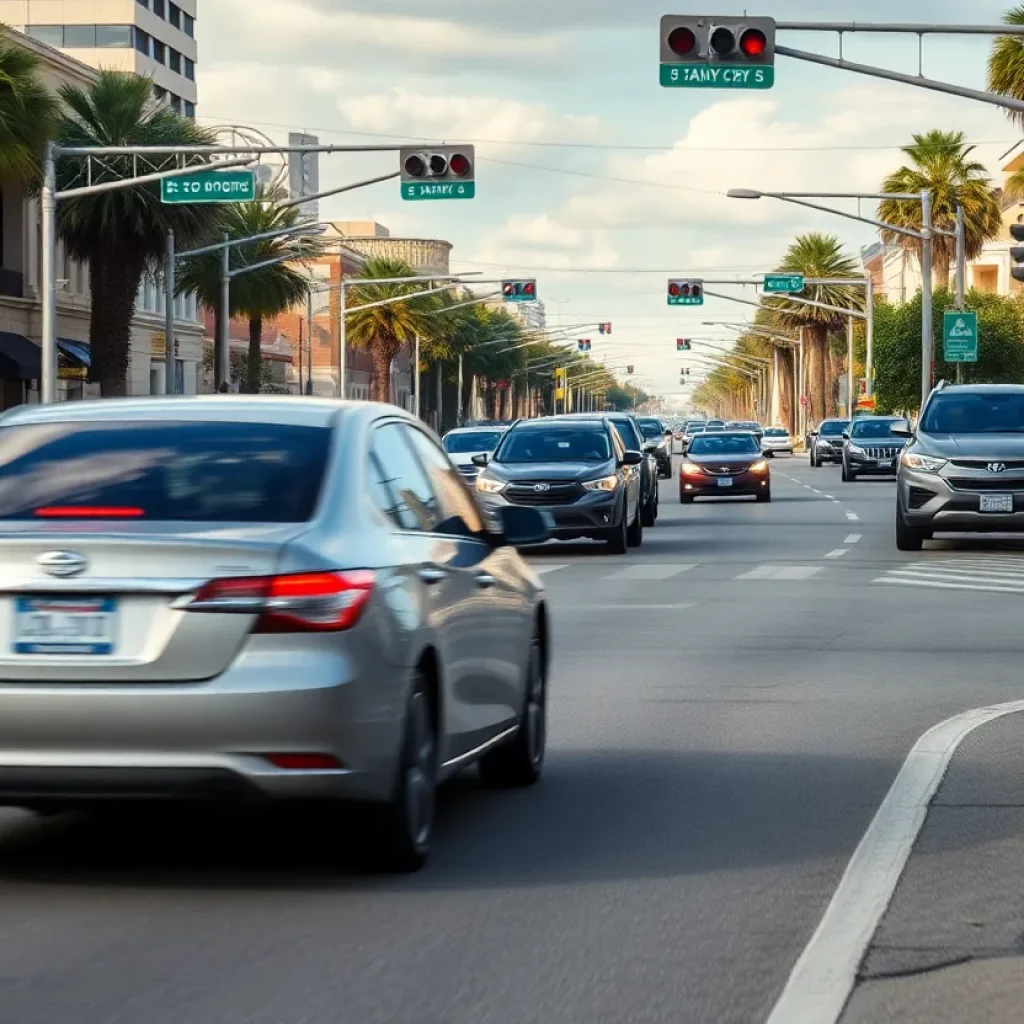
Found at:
(591, 177)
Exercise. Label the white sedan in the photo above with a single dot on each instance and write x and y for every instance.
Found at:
(775, 440)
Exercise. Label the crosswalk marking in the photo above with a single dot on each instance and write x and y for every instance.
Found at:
(649, 571)
(987, 575)
(781, 572)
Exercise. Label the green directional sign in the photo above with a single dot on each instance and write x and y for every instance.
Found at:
(703, 76)
(414, 190)
(960, 337)
(209, 187)
(783, 283)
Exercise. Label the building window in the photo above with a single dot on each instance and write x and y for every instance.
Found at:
(158, 8)
(52, 35)
(114, 36)
(175, 103)
(190, 69)
(159, 52)
(142, 41)
(174, 15)
(143, 3)
(159, 94)
(80, 36)
(174, 61)
(188, 25)
(190, 109)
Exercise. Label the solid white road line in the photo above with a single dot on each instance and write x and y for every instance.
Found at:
(781, 572)
(824, 976)
(852, 516)
(649, 571)
(852, 539)
(902, 582)
(838, 553)
(542, 570)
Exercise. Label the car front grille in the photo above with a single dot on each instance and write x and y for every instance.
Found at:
(526, 493)
(726, 470)
(883, 453)
(984, 483)
(982, 464)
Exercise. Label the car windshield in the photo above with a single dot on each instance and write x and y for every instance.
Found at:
(724, 444)
(626, 435)
(695, 430)
(473, 441)
(875, 428)
(992, 413)
(833, 428)
(652, 429)
(207, 471)
(776, 432)
(555, 444)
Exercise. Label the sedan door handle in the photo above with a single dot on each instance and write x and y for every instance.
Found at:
(485, 579)
(431, 574)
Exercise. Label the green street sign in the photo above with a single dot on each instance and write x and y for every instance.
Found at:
(686, 300)
(415, 190)
(783, 283)
(209, 187)
(960, 337)
(721, 76)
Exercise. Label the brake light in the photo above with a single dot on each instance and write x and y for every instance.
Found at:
(309, 602)
(89, 512)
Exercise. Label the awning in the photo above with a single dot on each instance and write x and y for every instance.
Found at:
(73, 359)
(77, 350)
(20, 359)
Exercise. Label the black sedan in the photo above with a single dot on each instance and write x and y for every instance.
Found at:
(723, 465)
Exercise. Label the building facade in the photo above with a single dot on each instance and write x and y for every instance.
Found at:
(156, 38)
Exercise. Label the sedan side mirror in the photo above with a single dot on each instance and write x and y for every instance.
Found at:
(522, 526)
(633, 458)
(480, 460)
(846, 435)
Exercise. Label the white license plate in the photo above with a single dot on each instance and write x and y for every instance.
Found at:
(885, 463)
(725, 481)
(65, 625)
(997, 503)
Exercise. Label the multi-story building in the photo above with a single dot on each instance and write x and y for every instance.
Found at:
(156, 38)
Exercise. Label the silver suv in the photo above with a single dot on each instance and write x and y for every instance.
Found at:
(963, 470)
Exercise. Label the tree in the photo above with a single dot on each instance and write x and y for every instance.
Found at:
(1006, 77)
(940, 162)
(28, 114)
(384, 330)
(121, 233)
(816, 255)
(258, 294)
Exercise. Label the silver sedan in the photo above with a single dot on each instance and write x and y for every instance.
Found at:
(229, 598)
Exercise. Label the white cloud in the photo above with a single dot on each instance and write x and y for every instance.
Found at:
(541, 241)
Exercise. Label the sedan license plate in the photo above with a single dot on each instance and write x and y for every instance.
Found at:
(64, 625)
(997, 503)
(885, 463)
(725, 481)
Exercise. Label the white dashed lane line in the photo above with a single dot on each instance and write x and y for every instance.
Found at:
(852, 516)
(838, 553)
(852, 539)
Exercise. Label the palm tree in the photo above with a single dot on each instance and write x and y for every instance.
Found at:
(121, 233)
(816, 255)
(1006, 64)
(258, 294)
(940, 162)
(28, 114)
(384, 330)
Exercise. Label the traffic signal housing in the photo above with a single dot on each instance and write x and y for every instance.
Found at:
(583, 345)
(716, 52)
(629, 369)
(685, 292)
(683, 345)
(604, 328)
(519, 290)
(1017, 252)
(438, 172)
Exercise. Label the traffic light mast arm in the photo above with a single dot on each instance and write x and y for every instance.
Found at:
(859, 314)
(336, 191)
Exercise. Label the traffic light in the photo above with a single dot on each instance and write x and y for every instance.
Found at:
(714, 52)
(519, 291)
(629, 369)
(440, 172)
(685, 292)
(604, 328)
(683, 345)
(1017, 252)
(584, 344)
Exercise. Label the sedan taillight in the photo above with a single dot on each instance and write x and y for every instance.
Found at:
(307, 602)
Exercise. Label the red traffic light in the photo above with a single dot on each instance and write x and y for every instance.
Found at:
(753, 42)
(673, 289)
(415, 166)
(681, 41)
(459, 165)
(529, 288)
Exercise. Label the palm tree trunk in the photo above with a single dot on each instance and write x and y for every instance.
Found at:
(816, 338)
(786, 389)
(114, 286)
(384, 350)
(219, 372)
(254, 376)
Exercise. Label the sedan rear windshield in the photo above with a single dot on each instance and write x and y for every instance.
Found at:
(833, 428)
(992, 413)
(652, 429)
(581, 444)
(476, 441)
(173, 471)
(724, 444)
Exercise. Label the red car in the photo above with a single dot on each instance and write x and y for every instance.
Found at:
(723, 465)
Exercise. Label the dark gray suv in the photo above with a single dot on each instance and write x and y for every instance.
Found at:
(963, 470)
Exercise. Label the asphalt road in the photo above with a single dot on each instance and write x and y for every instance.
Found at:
(730, 704)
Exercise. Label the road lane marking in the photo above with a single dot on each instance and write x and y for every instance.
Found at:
(825, 974)
(838, 553)
(627, 605)
(781, 572)
(852, 539)
(937, 585)
(649, 571)
(852, 516)
(542, 570)
(831, 497)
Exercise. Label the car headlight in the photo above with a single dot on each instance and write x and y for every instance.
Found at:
(606, 483)
(692, 469)
(488, 485)
(926, 463)
(761, 466)
(855, 449)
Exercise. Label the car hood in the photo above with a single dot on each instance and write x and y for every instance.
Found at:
(513, 471)
(977, 446)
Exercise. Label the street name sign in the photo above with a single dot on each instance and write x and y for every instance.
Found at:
(783, 283)
(960, 337)
(415, 190)
(701, 76)
(209, 187)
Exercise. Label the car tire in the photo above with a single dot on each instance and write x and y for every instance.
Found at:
(401, 830)
(908, 538)
(765, 495)
(521, 761)
(635, 533)
(650, 509)
(617, 537)
(814, 464)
